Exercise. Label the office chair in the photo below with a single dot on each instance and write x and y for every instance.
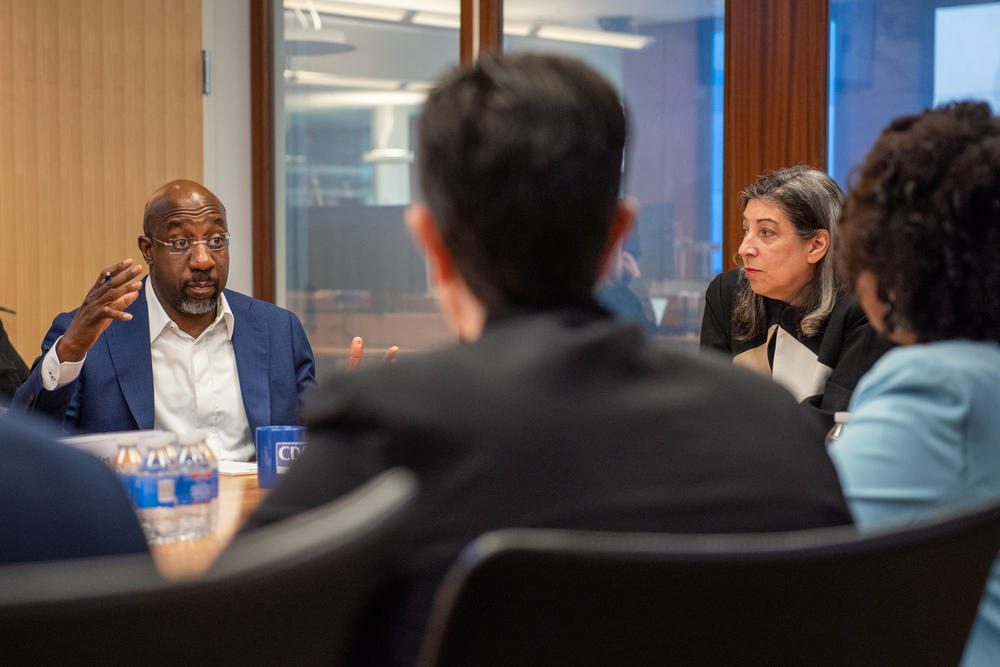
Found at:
(832, 596)
(285, 594)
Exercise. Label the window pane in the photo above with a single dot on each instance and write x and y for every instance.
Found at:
(893, 57)
(666, 60)
(355, 75)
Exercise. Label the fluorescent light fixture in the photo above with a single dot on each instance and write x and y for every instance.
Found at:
(337, 81)
(422, 86)
(437, 20)
(599, 37)
(301, 17)
(350, 9)
(517, 29)
(317, 24)
(388, 155)
(353, 99)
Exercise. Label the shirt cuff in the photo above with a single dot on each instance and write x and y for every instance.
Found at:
(56, 374)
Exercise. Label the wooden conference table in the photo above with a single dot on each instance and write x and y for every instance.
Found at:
(238, 497)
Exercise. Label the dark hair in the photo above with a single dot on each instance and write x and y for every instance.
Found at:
(812, 201)
(924, 218)
(520, 161)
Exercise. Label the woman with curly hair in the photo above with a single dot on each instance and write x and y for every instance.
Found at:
(921, 243)
(785, 311)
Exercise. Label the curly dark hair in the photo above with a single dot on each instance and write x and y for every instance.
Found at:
(924, 219)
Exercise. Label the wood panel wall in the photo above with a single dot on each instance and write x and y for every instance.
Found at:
(262, 90)
(100, 103)
(775, 96)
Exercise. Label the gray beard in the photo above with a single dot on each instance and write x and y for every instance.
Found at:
(198, 307)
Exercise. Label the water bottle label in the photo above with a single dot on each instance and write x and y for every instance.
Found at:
(150, 492)
(214, 483)
(194, 489)
(286, 453)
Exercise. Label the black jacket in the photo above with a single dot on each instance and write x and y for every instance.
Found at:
(843, 352)
(13, 370)
(565, 420)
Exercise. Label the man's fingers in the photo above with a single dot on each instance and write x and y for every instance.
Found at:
(111, 273)
(390, 354)
(124, 301)
(357, 352)
(110, 313)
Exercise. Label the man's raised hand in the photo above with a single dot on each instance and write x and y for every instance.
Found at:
(114, 291)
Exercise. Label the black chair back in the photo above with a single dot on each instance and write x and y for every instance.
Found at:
(285, 594)
(821, 597)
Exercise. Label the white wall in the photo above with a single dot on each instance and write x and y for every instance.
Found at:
(226, 35)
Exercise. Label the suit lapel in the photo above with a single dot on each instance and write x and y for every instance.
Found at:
(250, 345)
(128, 347)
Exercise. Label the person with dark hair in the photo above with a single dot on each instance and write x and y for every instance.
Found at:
(552, 414)
(176, 351)
(784, 312)
(921, 244)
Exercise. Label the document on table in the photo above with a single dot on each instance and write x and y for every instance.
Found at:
(237, 468)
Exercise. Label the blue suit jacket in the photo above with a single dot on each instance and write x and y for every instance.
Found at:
(115, 389)
(58, 502)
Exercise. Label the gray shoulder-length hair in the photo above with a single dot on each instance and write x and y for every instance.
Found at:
(812, 201)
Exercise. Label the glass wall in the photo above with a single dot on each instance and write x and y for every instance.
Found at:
(891, 57)
(666, 59)
(355, 75)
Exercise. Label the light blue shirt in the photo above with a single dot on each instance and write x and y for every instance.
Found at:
(924, 434)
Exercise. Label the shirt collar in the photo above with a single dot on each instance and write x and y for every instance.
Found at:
(158, 318)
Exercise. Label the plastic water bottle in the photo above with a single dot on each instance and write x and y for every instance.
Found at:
(194, 488)
(156, 492)
(213, 470)
(839, 420)
(128, 461)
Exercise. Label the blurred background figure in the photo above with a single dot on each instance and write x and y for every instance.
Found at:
(786, 311)
(13, 370)
(921, 243)
(620, 292)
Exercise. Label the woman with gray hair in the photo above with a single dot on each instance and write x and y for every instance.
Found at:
(786, 311)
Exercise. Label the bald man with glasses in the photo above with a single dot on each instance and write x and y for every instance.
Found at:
(175, 351)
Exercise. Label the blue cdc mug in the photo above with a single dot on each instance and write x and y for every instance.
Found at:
(277, 448)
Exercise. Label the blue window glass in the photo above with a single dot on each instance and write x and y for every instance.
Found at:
(892, 57)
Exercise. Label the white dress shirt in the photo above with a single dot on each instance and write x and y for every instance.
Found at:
(195, 381)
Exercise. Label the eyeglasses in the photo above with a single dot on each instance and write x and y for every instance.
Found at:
(182, 245)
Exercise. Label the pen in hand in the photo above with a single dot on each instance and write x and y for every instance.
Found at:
(107, 276)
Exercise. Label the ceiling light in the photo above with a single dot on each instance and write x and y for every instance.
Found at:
(517, 29)
(437, 20)
(388, 155)
(422, 86)
(353, 99)
(350, 9)
(334, 80)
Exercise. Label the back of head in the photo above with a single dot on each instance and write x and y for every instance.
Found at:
(924, 219)
(520, 162)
